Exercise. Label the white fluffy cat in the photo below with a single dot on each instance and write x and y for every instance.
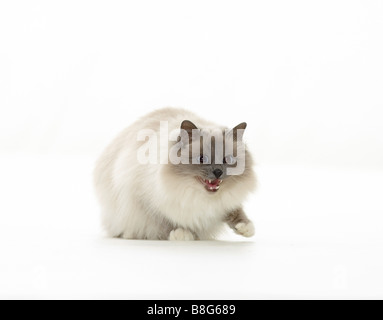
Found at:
(183, 201)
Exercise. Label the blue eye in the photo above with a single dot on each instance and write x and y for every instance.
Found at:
(203, 159)
(229, 160)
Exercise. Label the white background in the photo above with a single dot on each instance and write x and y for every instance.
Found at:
(307, 76)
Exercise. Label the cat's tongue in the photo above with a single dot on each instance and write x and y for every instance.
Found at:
(212, 183)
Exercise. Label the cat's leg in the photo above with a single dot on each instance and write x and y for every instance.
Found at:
(181, 234)
(240, 223)
(143, 225)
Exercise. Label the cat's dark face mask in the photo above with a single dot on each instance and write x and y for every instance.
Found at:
(212, 157)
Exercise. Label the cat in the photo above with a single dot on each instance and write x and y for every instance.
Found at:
(189, 200)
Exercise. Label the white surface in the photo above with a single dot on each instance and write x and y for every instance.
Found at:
(305, 75)
(319, 236)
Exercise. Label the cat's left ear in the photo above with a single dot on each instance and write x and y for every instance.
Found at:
(238, 131)
(187, 128)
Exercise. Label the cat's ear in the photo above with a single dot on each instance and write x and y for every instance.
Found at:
(238, 131)
(187, 127)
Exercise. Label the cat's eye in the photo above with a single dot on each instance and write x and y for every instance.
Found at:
(229, 160)
(203, 159)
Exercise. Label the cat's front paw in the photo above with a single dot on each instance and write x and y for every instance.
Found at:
(181, 235)
(245, 229)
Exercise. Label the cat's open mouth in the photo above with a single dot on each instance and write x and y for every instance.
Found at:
(210, 185)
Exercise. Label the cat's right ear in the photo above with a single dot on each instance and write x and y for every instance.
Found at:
(237, 132)
(187, 128)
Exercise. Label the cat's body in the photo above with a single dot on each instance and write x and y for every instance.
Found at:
(166, 201)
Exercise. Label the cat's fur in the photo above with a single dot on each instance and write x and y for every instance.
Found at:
(166, 201)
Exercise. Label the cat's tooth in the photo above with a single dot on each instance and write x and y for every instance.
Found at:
(209, 181)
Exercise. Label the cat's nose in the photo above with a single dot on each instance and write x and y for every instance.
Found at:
(217, 173)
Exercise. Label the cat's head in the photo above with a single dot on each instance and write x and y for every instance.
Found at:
(215, 157)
